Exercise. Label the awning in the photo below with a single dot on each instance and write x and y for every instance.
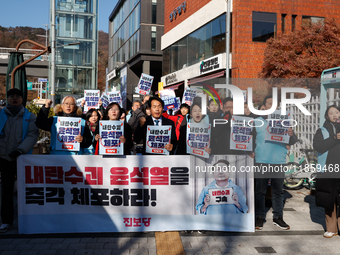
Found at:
(205, 78)
(173, 87)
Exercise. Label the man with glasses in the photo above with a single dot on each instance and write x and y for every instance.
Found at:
(155, 119)
(18, 135)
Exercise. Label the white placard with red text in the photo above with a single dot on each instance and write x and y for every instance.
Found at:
(221, 196)
(188, 96)
(241, 137)
(91, 99)
(110, 132)
(156, 139)
(114, 96)
(144, 84)
(67, 130)
(277, 127)
(198, 139)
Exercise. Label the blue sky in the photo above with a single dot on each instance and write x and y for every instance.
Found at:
(35, 13)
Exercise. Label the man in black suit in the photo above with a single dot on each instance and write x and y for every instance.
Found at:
(156, 106)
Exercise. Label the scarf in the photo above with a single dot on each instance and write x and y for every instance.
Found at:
(14, 109)
(92, 126)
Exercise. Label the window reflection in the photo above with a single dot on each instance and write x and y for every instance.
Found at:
(201, 44)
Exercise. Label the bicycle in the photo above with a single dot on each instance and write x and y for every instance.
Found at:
(300, 171)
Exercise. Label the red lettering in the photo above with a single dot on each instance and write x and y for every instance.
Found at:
(276, 138)
(198, 152)
(241, 146)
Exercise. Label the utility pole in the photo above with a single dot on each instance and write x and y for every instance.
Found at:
(52, 27)
(227, 45)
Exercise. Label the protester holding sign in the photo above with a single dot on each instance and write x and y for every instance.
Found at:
(327, 143)
(178, 118)
(69, 109)
(222, 196)
(18, 134)
(156, 105)
(269, 153)
(113, 112)
(92, 122)
(196, 117)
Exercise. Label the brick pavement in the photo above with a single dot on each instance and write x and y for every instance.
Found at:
(305, 237)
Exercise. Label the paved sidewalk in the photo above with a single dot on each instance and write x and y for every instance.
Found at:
(305, 237)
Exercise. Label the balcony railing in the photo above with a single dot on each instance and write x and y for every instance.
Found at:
(28, 53)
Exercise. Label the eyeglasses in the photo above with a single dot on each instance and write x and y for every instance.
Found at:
(69, 104)
(12, 96)
(114, 110)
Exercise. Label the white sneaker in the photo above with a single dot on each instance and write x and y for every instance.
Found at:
(329, 234)
(4, 228)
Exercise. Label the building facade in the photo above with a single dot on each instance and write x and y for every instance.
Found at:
(76, 22)
(135, 30)
(194, 36)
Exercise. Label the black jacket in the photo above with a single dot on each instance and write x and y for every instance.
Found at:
(327, 187)
(45, 123)
(140, 133)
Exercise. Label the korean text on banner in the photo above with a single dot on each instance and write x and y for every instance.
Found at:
(277, 127)
(105, 100)
(188, 96)
(67, 130)
(110, 132)
(77, 194)
(91, 99)
(241, 137)
(79, 100)
(115, 97)
(144, 84)
(169, 98)
(156, 139)
(198, 139)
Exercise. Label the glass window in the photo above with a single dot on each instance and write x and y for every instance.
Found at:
(153, 38)
(174, 57)
(283, 23)
(193, 48)
(154, 11)
(293, 22)
(182, 53)
(166, 61)
(309, 20)
(68, 23)
(264, 26)
(218, 35)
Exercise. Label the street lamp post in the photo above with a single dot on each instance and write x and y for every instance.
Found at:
(227, 43)
(52, 81)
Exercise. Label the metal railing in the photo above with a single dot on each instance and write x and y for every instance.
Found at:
(308, 125)
(28, 53)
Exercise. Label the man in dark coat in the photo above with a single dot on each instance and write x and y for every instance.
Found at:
(155, 119)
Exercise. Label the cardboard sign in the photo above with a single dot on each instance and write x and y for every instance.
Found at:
(110, 132)
(169, 98)
(144, 84)
(67, 130)
(221, 196)
(240, 136)
(91, 99)
(277, 127)
(188, 96)
(156, 139)
(105, 100)
(198, 139)
(115, 97)
(79, 100)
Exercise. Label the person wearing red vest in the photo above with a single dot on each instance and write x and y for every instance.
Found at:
(18, 135)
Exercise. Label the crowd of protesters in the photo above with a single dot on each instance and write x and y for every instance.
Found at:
(19, 131)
